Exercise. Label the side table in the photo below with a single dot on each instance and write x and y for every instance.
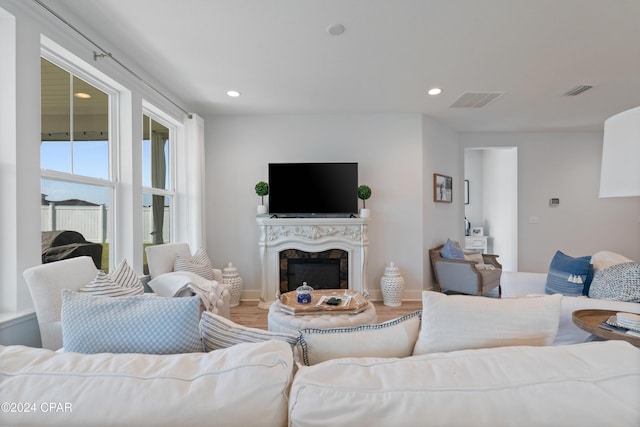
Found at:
(590, 320)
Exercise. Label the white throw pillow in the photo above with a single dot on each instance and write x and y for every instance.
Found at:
(199, 263)
(218, 332)
(120, 282)
(458, 322)
(394, 338)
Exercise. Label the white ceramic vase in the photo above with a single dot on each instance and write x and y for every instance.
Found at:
(392, 285)
(365, 213)
(262, 209)
(230, 276)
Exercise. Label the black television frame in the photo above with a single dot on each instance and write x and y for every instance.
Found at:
(320, 189)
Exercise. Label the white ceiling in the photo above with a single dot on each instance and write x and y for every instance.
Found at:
(279, 55)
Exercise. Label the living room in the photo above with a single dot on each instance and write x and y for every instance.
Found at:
(398, 151)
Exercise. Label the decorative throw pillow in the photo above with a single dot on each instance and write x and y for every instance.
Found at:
(451, 250)
(459, 322)
(569, 276)
(394, 338)
(474, 256)
(620, 282)
(199, 263)
(130, 324)
(120, 282)
(218, 332)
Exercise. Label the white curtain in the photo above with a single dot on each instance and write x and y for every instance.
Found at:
(194, 180)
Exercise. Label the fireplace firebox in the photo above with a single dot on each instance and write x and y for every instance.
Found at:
(321, 270)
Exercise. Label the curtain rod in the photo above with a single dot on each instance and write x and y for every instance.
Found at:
(106, 54)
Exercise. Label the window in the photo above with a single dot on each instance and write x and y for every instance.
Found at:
(158, 191)
(77, 182)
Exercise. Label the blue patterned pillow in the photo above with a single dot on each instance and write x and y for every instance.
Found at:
(569, 276)
(131, 324)
(451, 250)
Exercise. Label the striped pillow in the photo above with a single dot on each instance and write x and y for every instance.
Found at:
(199, 264)
(122, 281)
(393, 338)
(218, 332)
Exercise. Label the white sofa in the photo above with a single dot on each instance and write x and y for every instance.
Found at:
(258, 384)
(521, 284)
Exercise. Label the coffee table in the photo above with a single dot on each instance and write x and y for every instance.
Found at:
(590, 320)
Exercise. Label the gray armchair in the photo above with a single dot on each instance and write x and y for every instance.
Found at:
(461, 275)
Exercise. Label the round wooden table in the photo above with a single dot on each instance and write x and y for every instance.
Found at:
(590, 320)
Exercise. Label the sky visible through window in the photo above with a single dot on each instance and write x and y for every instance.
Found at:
(89, 159)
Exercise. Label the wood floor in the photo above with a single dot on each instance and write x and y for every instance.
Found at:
(248, 313)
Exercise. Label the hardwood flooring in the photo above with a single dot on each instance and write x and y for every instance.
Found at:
(248, 313)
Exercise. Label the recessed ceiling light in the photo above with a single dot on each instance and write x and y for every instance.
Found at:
(435, 91)
(233, 93)
(82, 95)
(335, 29)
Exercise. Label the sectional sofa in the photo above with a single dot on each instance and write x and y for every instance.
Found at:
(460, 361)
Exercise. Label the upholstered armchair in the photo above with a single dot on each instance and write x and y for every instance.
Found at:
(161, 259)
(464, 276)
(46, 282)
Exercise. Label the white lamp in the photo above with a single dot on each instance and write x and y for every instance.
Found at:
(620, 172)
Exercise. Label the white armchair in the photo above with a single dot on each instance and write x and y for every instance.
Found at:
(46, 282)
(161, 259)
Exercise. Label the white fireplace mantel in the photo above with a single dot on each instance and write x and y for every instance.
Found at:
(311, 235)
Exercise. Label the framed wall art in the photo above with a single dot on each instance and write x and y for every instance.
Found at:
(442, 188)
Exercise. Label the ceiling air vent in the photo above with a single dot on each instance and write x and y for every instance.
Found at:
(578, 90)
(476, 99)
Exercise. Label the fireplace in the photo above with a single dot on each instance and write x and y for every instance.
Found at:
(321, 270)
(317, 241)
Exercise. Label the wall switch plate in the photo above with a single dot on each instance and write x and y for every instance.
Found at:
(554, 202)
(534, 220)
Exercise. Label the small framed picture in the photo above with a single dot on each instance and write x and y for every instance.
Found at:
(442, 188)
(477, 231)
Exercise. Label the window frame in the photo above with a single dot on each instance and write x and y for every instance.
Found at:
(158, 116)
(113, 142)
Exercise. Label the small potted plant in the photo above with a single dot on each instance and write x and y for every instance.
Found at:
(364, 192)
(262, 189)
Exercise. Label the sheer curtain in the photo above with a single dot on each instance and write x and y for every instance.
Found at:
(193, 168)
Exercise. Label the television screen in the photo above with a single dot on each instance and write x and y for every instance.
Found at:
(307, 189)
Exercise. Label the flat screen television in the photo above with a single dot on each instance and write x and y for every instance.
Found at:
(310, 189)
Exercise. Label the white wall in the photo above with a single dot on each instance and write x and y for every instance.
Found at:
(388, 149)
(567, 166)
(441, 154)
(473, 172)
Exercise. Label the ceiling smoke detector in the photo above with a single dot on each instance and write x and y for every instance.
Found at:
(476, 99)
(578, 90)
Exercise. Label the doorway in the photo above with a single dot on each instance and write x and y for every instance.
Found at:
(492, 175)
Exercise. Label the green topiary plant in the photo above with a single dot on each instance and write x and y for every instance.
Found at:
(262, 189)
(364, 192)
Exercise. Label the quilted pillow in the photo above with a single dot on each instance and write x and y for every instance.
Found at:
(451, 250)
(569, 276)
(620, 282)
(394, 338)
(218, 332)
(130, 324)
(120, 282)
(459, 322)
(199, 264)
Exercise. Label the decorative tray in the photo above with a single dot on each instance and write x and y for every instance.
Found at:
(350, 302)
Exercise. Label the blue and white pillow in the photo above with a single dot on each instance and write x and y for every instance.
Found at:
(122, 281)
(451, 250)
(130, 324)
(219, 332)
(568, 275)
